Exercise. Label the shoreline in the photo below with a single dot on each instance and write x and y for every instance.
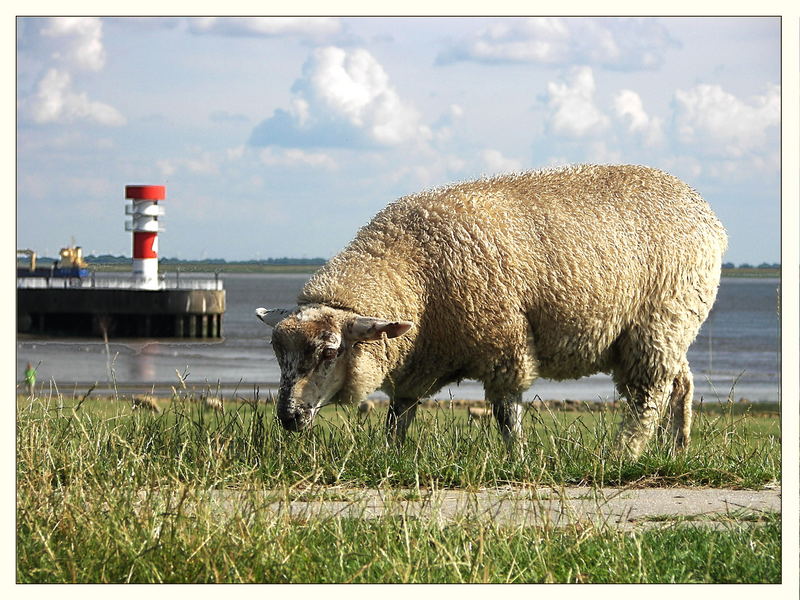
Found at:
(234, 267)
(469, 392)
(759, 408)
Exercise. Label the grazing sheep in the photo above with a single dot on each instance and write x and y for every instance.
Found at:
(558, 273)
(475, 413)
(213, 403)
(145, 402)
(364, 408)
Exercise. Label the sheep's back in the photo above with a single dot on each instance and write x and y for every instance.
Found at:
(582, 252)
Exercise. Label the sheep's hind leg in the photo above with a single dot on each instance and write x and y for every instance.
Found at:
(681, 407)
(645, 371)
(401, 413)
(645, 407)
(507, 411)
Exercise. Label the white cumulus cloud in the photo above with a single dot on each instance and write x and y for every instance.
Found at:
(55, 101)
(573, 112)
(79, 39)
(354, 86)
(72, 44)
(628, 106)
(342, 98)
(265, 26)
(723, 124)
(614, 43)
(540, 39)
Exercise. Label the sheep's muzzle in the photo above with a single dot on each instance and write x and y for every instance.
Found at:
(293, 415)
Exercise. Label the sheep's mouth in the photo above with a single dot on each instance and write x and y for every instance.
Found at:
(295, 417)
(296, 422)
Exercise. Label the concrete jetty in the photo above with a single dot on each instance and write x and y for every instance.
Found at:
(121, 313)
(143, 305)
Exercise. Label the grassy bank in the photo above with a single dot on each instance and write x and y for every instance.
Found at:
(103, 492)
(752, 272)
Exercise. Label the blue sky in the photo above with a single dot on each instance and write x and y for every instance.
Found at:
(282, 136)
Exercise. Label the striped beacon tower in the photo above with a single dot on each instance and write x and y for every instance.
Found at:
(144, 210)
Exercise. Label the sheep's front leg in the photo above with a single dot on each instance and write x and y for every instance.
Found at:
(401, 413)
(507, 411)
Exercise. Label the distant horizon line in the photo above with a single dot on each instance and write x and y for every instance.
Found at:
(317, 260)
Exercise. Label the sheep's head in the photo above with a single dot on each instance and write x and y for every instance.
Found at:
(313, 344)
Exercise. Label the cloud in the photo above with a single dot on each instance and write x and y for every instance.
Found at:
(629, 44)
(497, 163)
(225, 117)
(540, 40)
(265, 26)
(73, 44)
(598, 152)
(54, 101)
(343, 98)
(236, 153)
(718, 122)
(294, 157)
(431, 168)
(203, 165)
(628, 106)
(443, 128)
(573, 112)
(80, 41)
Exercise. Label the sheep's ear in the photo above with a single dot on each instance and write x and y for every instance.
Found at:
(272, 316)
(365, 329)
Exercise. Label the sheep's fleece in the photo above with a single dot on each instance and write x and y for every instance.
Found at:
(559, 273)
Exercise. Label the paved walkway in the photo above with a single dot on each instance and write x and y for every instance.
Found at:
(621, 508)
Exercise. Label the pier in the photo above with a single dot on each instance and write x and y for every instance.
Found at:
(116, 308)
(67, 301)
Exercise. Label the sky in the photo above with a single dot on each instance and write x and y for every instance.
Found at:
(281, 136)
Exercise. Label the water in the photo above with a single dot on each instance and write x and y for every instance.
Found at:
(738, 343)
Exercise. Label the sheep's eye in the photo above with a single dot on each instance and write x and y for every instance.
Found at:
(329, 353)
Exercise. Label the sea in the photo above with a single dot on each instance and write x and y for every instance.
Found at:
(735, 357)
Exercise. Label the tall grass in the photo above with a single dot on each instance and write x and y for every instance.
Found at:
(106, 492)
(244, 444)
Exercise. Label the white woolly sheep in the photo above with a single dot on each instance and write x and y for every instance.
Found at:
(557, 273)
(475, 413)
(145, 402)
(364, 408)
(213, 403)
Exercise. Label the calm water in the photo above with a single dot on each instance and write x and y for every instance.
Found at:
(740, 340)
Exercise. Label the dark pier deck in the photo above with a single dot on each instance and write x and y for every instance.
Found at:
(121, 313)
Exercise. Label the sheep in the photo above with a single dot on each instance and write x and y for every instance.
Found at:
(213, 403)
(145, 402)
(475, 413)
(557, 273)
(365, 407)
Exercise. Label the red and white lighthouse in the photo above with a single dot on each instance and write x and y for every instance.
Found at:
(144, 210)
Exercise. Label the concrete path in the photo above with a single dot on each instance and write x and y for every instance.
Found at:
(620, 508)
